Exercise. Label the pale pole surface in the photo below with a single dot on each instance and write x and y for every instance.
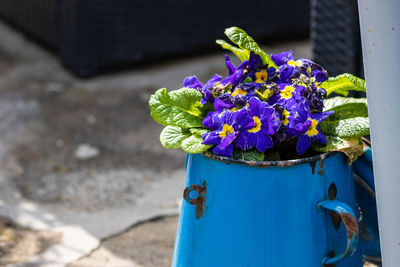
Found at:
(380, 33)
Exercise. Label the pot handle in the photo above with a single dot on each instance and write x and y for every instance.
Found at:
(350, 223)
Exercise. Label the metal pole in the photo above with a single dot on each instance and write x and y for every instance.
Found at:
(380, 33)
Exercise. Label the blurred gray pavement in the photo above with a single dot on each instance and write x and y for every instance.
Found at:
(83, 158)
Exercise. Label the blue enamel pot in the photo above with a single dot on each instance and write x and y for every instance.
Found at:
(272, 213)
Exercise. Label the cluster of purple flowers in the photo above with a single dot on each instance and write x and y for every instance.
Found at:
(258, 106)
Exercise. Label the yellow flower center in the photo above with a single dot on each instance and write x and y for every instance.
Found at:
(287, 92)
(285, 114)
(313, 128)
(226, 130)
(261, 76)
(239, 91)
(296, 63)
(257, 125)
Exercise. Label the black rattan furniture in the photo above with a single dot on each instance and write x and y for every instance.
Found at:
(335, 34)
(92, 34)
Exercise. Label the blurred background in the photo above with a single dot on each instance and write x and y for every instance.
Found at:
(84, 180)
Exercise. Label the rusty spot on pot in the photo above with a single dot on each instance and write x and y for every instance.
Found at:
(312, 164)
(199, 201)
(321, 167)
(351, 225)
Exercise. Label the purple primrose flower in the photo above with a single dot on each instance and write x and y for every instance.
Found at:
(226, 127)
(266, 123)
(192, 82)
(223, 102)
(313, 132)
(236, 75)
(282, 58)
(298, 117)
(257, 71)
(286, 93)
(243, 92)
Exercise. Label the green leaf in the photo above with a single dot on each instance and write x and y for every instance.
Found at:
(349, 120)
(193, 144)
(244, 41)
(180, 108)
(330, 103)
(242, 54)
(199, 131)
(252, 154)
(343, 83)
(346, 128)
(352, 147)
(350, 110)
(172, 136)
